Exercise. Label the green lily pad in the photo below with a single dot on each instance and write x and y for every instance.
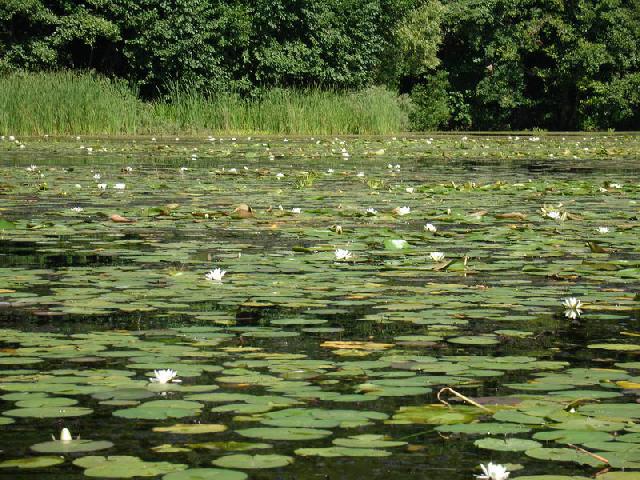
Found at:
(161, 410)
(367, 441)
(291, 434)
(483, 428)
(124, 466)
(32, 462)
(253, 461)
(435, 415)
(506, 445)
(72, 446)
(563, 455)
(49, 412)
(205, 474)
(192, 428)
(341, 452)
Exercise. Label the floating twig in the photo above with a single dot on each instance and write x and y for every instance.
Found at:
(592, 455)
(461, 397)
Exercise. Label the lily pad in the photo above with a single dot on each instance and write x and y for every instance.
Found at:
(32, 462)
(205, 474)
(192, 428)
(507, 444)
(291, 434)
(341, 452)
(161, 410)
(124, 466)
(72, 446)
(253, 461)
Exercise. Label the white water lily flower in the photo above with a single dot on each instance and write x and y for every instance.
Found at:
(409, 189)
(493, 471)
(119, 186)
(603, 229)
(343, 254)
(437, 256)
(215, 275)
(330, 171)
(165, 376)
(573, 307)
(615, 185)
(78, 209)
(430, 227)
(233, 170)
(344, 153)
(402, 211)
(32, 168)
(296, 210)
(371, 212)
(183, 169)
(97, 176)
(65, 436)
(360, 174)
(279, 175)
(102, 186)
(555, 215)
(77, 185)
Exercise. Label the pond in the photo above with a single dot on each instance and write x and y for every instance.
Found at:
(405, 307)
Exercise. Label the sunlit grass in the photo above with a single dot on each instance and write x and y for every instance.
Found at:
(67, 103)
(59, 103)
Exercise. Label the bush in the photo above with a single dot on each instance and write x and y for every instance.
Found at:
(430, 104)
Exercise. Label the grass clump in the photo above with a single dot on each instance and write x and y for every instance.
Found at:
(286, 111)
(65, 102)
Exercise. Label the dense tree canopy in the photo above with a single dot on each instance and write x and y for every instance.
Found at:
(483, 64)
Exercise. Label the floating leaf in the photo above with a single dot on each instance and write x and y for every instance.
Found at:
(292, 434)
(32, 462)
(253, 461)
(72, 446)
(123, 466)
(192, 428)
(205, 474)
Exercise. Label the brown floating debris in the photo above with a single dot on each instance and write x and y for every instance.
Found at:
(120, 219)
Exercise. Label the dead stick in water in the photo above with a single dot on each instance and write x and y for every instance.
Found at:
(462, 397)
(586, 452)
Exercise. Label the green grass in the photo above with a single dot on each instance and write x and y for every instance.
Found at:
(67, 103)
(70, 103)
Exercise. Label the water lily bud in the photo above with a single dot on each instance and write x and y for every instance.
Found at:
(65, 435)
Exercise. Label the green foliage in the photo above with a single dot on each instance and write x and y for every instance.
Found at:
(539, 63)
(417, 38)
(615, 104)
(430, 102)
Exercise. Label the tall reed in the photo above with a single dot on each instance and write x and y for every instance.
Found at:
(67, 102)
(286, 111)
(72, 103)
